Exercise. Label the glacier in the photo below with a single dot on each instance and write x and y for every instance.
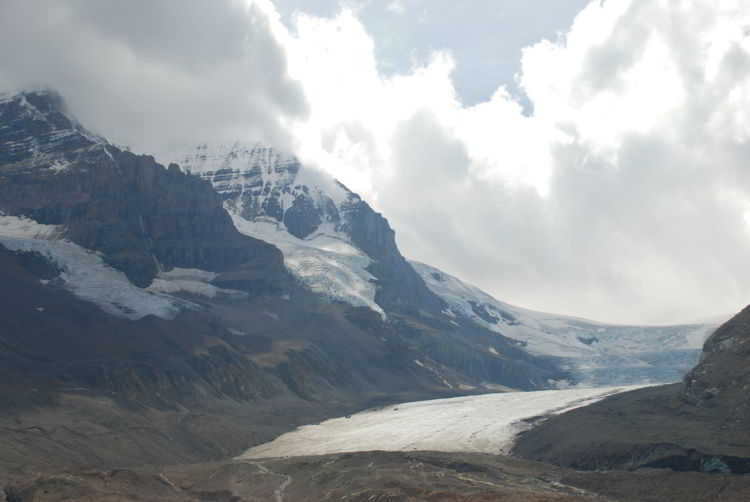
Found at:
(325, 262)
(474, 424)
(594, 353)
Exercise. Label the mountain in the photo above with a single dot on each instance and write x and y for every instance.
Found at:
(332, 240)
(698, 425)
(140, 302)
(162, 316)
(596, 354)
(141, 217)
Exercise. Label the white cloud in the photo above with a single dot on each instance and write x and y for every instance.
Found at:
(621, 197)
(396, 6)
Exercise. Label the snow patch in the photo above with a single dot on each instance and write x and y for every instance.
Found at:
(84, 272)
(59, 165)
(191, 281)
(20, 227)
(86, 275)
(323, 262)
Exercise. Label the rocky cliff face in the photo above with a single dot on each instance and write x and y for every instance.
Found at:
(51, 340)
(141, 216)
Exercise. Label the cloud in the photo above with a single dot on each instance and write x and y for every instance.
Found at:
(619, 189)
(624, 196)
(484, 37)
(155, 74)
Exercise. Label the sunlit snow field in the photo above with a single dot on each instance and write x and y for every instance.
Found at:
(479, 424)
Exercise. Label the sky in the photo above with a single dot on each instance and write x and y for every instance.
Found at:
(584, 158)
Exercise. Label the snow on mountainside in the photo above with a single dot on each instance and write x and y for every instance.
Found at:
(301, 211)
(42, 148)
(595, 352)
(84, 273)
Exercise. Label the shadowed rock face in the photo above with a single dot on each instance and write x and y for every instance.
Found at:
(699, 425)
(400, 288)
(721, 379)
(139, 214)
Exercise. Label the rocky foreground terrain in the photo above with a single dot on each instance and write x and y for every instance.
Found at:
(379, 476)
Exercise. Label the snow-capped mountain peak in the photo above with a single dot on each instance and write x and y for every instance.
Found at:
(302, 211)
(262, 184)
(58, 135)
(331, 239)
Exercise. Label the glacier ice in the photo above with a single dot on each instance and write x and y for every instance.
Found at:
(480, 424)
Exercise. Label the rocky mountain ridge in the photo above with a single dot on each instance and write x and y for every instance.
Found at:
(326, 232)
(142, 217)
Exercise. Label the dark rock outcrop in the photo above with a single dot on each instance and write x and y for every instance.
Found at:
(400, 288)
(722, 377)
